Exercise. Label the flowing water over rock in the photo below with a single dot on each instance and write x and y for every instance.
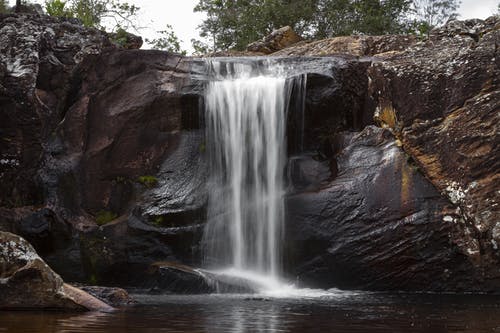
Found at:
(246, 108)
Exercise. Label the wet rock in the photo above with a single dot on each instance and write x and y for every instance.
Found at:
(379, 225)
(131, 102)
(26, 282)
(114, 296)
(275, 41)
(441, 99)
(120, 253)
(180, 279)
(37, 56)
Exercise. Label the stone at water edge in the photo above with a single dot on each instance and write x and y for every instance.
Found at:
(110, 295)
(26, 282)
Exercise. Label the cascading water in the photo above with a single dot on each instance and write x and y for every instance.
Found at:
(246, 119)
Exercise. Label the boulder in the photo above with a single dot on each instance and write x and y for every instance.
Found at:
(116, 297)
(275, 41)
(26, 282)
(176, 278)
(379, 225)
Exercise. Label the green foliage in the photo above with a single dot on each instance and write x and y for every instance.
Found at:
(158, 221)
(148, 181)
(236, 23)
(92, 13)
(167, 41)
(120, 37)
(104, 217)
(57, 8)
(199, 47)
(3, 6)
(233, 24)
(431, 13)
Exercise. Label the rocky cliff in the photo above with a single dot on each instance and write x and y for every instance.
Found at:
(102, 162)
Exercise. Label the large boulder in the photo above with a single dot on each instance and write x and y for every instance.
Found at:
(378, 225)
(26, 282)
(441, 99)
(275, 41)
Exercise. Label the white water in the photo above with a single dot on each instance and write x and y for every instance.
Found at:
(245, 116)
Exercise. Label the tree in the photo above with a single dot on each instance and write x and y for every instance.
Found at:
(167, 41)
(3, 6)
(93, 13)
(57, 8)
(236, 23)
(431, 13)
(200, 48)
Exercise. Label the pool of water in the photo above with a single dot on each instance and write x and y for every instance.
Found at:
(330, 312)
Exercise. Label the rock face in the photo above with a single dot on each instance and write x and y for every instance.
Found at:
(37, 55)
(26, 282)
(275, 41)
(354, 45)
(441, 98)
(103, 158)
(378, 225)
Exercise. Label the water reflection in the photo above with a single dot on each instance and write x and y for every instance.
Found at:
(365, 313)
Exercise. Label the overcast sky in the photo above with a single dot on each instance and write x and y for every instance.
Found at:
(155, 14)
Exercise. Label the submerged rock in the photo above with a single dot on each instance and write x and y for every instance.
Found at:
(181, 279)
(26, 282)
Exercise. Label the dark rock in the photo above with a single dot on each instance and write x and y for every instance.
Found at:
(95, 134)
(180, 279)
(379, 225)
(114, 296)
(120, 253)
(37, 56)
(26, 282)
(441, 99)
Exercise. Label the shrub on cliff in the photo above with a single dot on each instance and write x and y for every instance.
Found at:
(92, 13)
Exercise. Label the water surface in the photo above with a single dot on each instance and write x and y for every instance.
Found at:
(335, 312)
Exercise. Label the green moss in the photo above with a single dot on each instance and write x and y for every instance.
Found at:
(105, 216)
(202, 148)
(93, 280)
(157, 221)
(148, 181)
(120, 37)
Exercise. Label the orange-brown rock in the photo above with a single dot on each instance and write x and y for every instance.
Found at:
(275, 41)
(353, 45)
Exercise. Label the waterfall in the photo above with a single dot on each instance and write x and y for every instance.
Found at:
(246, 108)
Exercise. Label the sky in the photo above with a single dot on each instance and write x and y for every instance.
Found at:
(155, 14)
